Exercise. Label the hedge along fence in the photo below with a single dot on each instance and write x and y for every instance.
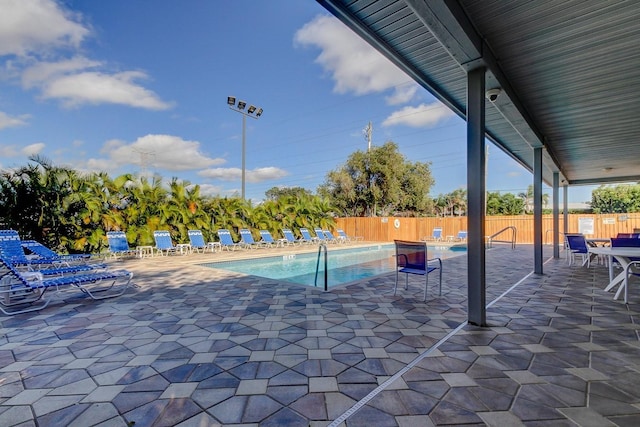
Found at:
(387, 229)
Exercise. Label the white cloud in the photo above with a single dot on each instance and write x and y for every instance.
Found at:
(75, 83)
(8, 151)
(421, 116)
(210, 190)
(166, 152)
(235, 174)
(41, 33)
(33, 26)
(33, 149)
(7, 121)
(353, 64)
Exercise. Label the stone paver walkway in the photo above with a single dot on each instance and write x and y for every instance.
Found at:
(194, 346)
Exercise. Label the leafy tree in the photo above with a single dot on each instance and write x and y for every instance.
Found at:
(275, 193)
(505, 204)
(616, 199)
(379, 182)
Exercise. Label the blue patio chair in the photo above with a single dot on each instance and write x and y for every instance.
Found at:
(412, 258)
(42, 252)
(119, 245)
(290, 238)
(226, 241)
(436, 235)
(196, 239)
(268, 239)
(306, 236)
(247, 241)
(631, 269)
(22, 292)
(164, 244)
(462, 236)
(577, 245)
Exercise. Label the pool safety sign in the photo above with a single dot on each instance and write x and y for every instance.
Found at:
(585, 225)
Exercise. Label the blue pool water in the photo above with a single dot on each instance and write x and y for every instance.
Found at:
(344, 265)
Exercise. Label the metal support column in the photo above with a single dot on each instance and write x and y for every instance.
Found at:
(565, 199)
(476, 285)
(537, 210)
(556, 214)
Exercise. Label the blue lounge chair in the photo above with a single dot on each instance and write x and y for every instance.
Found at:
(329, 237)
(412, 258)
(436, 235)
(268, 239)
(22, 292)
(290, 238)
(42, 252)
(196, 239)
(12, 252)
(462, 236)
(164, 244)
(347, 239)
(306, 236)
(226, 241)
(119, 245)
(320, 236)
(247, 241)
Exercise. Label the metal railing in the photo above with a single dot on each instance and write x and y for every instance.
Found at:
(322, 249)
(492, 239)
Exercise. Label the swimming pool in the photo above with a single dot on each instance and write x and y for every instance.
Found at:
(344, 265)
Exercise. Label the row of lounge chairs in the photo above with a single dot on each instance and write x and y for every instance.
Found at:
(437, 236)
(31, 274)
(119, 246)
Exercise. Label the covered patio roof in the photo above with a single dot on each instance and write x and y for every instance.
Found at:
(568, 73)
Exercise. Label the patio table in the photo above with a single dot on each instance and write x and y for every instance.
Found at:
(623, 255)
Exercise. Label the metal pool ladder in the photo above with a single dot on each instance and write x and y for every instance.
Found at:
(321, 249)
(492, 239)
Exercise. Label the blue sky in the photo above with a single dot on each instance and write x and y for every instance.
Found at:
(126, 86)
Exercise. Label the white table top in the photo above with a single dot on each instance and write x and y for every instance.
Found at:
(617, 251)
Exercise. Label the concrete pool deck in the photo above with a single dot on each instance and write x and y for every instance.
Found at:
(194, 346)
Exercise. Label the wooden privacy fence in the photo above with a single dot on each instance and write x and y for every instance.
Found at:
(387, 229)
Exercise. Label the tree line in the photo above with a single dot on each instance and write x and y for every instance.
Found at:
(70, 211)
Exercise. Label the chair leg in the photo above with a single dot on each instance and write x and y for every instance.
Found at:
(395, 288)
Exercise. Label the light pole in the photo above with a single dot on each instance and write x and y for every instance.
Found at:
(253, 112)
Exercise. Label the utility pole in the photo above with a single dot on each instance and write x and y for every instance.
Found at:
(144, 160)
(368, 132)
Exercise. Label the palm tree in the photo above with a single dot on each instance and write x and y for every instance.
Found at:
(528, 199)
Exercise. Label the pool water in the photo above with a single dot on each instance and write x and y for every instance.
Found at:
(344, 265)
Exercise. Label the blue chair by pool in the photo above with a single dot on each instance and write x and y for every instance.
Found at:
(22, 292)
(290, 238)
(320, 236)
(164, 244)
(196, 239)
(462, 236)
(268, 239)
(330, 238)
(412, 258)
(226, 241)
(346, 238)
(436, 235)
(247, 240)
(306, 236)
(40, 251)
(119, 245)
(13, 253)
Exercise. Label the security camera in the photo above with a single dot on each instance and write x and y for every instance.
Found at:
(492, 94)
